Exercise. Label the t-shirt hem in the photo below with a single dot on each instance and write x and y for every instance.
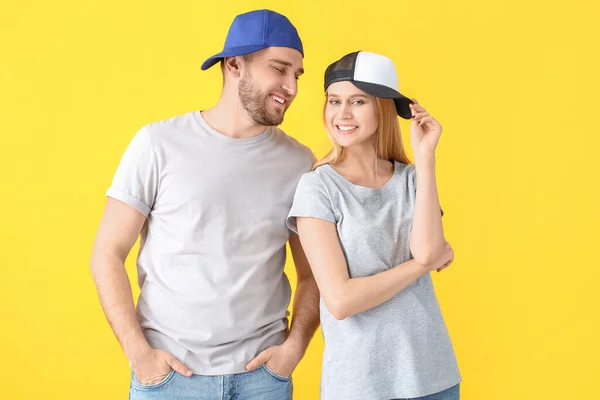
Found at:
(238, 369)
(384, 394)
(430, 390)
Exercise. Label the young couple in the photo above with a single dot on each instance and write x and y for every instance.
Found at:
(215, 195)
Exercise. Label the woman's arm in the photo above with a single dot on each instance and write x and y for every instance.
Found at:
(427, 235)
(344, 296)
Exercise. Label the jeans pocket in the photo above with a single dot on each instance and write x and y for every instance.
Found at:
(275, 374)
(140, 386)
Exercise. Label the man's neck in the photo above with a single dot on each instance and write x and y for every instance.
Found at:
(230, 119)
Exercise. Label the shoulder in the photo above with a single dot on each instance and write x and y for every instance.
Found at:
(316, 181)
(167, 125)
(406, 169)
(407, 172)
(164, 135)
(158, 130)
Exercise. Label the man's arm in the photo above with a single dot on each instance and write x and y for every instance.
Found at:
(118, 231)
(305, 315)
(283, 359)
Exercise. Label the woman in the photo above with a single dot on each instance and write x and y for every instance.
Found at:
(362, 214)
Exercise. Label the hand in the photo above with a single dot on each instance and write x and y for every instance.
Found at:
(425, 131)
(155, 365)
(443, 261)
(281, 359)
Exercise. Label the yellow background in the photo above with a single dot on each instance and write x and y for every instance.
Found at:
(514, 83)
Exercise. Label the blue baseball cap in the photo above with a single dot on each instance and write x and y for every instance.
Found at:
(254, 31)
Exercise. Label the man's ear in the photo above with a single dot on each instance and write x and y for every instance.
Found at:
(232, 65)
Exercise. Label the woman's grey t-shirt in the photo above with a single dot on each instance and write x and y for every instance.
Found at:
(400, 348)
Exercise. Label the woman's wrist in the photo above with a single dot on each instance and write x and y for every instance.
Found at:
(425, 156)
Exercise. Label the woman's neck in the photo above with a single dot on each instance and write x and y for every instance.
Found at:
(361, 167)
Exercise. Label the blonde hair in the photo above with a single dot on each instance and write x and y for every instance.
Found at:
(389, 137)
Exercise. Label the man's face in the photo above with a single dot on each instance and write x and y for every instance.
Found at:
(269, 83)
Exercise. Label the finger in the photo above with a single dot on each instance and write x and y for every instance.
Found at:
(418, 115)
(417, 106)
(425, 119)
(178, 366)
(443, 267)
(259, 360)
(419, 109)
(151, 380)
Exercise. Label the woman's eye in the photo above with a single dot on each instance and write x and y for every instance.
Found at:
(334, 101)
(359, 102)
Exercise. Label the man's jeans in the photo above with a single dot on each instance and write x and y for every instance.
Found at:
(261, 383)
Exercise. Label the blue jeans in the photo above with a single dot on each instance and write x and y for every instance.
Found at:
(261, 383)
(449, 394)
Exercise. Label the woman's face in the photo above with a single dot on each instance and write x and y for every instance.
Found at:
(351, 114)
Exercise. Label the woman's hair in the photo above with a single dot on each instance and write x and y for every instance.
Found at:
(389, 139)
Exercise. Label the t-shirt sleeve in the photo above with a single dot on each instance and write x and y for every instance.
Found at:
(413, 175)
(136, 180)
(310, 200)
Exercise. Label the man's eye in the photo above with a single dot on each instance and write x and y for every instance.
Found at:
(334, 101)
(280, 70)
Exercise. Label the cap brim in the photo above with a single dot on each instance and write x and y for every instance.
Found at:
(231, 52)
(402, 102)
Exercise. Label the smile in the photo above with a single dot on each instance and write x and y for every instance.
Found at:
(277, 99)
(346, 128)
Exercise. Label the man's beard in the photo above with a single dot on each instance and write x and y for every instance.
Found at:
(253, 101)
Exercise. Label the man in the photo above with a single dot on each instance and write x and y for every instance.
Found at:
(209, 193)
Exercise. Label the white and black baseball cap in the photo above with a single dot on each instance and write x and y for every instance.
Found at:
(373, 74)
